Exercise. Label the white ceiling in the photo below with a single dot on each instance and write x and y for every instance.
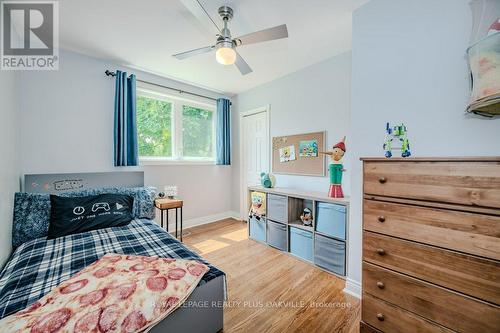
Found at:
(144, 35)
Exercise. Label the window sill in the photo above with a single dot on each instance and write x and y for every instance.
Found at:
(164, 161)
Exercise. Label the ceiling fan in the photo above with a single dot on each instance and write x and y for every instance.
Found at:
(225, 46)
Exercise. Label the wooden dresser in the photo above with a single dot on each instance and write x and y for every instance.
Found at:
(431, 245)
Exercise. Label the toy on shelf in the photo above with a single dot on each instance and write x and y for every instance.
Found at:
(258, 207)
(399, 134)
(336, 169)
(306, 217)
(267, 180)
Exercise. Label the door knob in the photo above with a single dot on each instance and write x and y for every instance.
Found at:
(382, 180)
(381, 251)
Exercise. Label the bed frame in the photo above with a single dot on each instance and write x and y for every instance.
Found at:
(201, 313)
(203, 310)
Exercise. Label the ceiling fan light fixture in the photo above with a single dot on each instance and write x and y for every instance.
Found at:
(225, 55)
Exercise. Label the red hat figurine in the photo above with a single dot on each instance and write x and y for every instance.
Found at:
(336, 169)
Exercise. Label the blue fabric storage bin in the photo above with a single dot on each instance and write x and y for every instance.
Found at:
(258, 229)
(331, 219)
(301, 243)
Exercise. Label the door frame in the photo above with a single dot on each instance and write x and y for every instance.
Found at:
(243, 177)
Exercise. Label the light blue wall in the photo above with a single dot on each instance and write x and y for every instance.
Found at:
(315, 98)
(9, 157)
(67, 126)
(409, 65)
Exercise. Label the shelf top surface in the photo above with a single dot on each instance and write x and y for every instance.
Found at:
(434, 159)
(301, 194)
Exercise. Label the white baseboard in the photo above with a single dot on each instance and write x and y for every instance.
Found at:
(353, 288)
(238, 216)
(186, 224)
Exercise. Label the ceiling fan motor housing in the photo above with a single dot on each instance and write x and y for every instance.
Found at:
(226, 13)
(224, 39)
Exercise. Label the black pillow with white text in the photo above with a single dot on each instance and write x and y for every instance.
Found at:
(72, 215)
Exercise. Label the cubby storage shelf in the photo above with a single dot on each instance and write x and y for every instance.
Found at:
(284, 230)
(298, 224)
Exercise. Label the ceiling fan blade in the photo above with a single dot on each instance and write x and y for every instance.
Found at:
(187, 54)
(277, 32)
(201, 14)
(242, 65)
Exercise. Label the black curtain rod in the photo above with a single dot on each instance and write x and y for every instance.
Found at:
(110, 73)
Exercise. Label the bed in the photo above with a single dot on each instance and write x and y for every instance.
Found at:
(39, 265)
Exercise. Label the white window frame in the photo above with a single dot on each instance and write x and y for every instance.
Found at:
(150, 91)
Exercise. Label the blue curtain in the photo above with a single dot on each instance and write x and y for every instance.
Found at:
(126, 151)
(223, 135)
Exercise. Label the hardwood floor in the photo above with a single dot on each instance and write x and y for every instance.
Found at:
(270, 291)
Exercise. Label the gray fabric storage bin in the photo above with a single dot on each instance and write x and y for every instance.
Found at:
(330, 254)
(277, 208)
(258, 228)
(276, 235)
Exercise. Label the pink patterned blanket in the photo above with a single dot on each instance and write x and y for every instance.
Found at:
(117, 293)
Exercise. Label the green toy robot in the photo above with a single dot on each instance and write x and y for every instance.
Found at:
(398, 133)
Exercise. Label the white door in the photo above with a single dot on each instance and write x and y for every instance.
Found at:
(255, 150)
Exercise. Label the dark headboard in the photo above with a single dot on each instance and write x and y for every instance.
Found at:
(64, 182)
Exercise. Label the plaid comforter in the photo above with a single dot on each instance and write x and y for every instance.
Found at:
(38, 266)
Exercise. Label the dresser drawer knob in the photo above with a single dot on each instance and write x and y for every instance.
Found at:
(380, 284)
(380, 316)
(382, 180)
(381, 219)
(381, 251)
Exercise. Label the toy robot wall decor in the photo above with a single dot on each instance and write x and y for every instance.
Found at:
(399, 134)
(336, 169)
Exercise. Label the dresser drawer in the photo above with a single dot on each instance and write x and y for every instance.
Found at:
(467, 274)
(365, 328)
(466, 232)
(432, 302)
(389, 318)
(466, 183)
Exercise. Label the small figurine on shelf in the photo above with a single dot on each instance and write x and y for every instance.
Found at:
(398, 133)
(306, 217)
(336, 169)
(267, 180)
(258, 207)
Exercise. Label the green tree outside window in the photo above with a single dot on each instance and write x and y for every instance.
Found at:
(154, 127)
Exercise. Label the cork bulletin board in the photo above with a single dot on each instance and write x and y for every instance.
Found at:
(303, 159)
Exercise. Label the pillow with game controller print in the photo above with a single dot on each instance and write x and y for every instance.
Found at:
(72, 215)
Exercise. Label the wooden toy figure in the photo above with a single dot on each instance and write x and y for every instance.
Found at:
(336, 169)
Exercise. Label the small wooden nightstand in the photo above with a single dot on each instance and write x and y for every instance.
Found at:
(165, 204)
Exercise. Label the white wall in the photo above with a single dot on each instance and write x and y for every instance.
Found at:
(67, 126)
(316, 98)
(9, 162)
(409, 65)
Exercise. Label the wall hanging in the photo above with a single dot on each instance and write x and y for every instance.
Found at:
(298, 154)
(484, 58)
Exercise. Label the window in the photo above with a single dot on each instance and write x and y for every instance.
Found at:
(154, 127)
(173, 129)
